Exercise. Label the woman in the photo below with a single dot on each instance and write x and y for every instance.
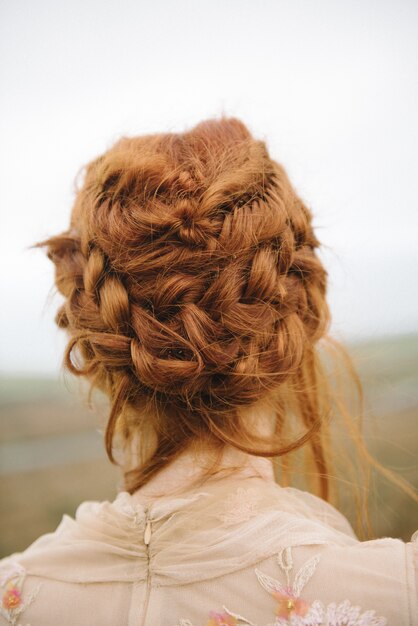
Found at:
(195, 299)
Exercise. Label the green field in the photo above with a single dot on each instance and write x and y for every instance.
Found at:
(52, 456)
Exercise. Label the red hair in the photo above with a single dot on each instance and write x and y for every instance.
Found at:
(193, 291)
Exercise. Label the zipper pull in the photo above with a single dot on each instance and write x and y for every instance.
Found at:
(147, 533)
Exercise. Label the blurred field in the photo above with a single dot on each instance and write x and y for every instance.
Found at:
(52, 456)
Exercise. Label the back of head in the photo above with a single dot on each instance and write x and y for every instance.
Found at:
(193, 292)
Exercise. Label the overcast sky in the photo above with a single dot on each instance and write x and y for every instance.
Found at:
(330, 85)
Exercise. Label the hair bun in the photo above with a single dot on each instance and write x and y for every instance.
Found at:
(190, 272)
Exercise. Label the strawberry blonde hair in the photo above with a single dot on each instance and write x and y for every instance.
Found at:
(193, 292)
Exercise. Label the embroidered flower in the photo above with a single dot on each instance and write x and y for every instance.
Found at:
(343, 614)
(291, 609)
(290, 605)
(290, 602)
(11, 597)
(12, 577)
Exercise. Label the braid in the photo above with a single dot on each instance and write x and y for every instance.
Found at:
(192, 289)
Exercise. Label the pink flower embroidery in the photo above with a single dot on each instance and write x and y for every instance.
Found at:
(289, 604)
(292, 610)
(13, 601)
(288, 596)
(221, 619)
(12, 597)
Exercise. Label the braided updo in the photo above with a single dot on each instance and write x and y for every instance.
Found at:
(193, 290)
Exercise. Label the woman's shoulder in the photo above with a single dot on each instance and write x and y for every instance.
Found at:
(234, 524)
(280, 545)
(373, 584)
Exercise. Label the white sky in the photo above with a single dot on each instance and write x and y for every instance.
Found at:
(331, 85)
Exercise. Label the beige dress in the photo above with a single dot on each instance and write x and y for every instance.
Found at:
(239, 551)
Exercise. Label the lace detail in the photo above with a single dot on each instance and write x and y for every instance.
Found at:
(12, 577)
(289, 595)
(240, 506)
(291, 609)
(343, 614)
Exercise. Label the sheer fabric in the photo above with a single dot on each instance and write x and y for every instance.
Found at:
(238, 551)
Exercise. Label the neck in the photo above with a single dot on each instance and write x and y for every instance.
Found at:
(197, 466)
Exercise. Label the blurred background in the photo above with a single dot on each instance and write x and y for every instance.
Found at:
(330, 86)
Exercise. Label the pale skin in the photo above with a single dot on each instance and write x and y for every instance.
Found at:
(190, 466)
(195, 463)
